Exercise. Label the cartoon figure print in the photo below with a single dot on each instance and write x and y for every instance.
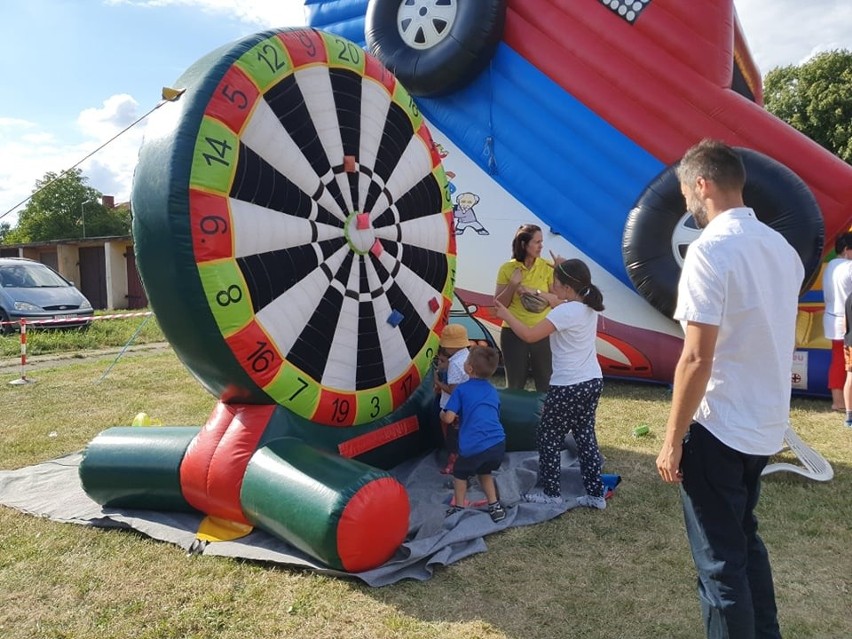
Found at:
(464, 214)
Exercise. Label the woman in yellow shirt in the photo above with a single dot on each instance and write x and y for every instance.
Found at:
(523, 287)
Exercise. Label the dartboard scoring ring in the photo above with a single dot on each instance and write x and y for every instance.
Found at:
(320, 225)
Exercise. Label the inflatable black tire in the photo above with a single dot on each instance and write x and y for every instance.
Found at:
(437, 46)
(657, 229)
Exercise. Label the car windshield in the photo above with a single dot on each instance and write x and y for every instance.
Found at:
(29, 276)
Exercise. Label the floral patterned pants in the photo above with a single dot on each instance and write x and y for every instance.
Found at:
(570, 409)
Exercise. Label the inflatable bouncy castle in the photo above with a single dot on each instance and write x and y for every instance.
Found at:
(570, 114)
(320, 201)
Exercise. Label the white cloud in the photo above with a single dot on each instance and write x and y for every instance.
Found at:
(784, 32)
(110, 169)
(28, 152)
(118, 111)
(11, 123)
(262, 13)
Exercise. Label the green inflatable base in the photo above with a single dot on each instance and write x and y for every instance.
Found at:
(137, 467)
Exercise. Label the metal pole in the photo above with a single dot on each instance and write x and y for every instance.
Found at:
(83, 216)
(124, 348)
(83, 213)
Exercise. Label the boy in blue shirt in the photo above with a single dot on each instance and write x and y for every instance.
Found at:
(482, 440)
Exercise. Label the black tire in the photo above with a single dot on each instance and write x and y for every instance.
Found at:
(434, 46)
(5, 329)
(658, 229)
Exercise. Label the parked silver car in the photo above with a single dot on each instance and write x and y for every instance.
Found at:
(34, 291)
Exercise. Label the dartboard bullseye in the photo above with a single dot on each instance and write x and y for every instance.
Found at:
(294, 228)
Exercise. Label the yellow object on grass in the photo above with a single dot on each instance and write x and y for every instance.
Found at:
(143, 419)
(216, 529)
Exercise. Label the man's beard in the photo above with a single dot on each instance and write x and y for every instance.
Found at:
(698, 210)
(700, 216)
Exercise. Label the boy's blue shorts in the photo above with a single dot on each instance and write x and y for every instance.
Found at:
(483, 463)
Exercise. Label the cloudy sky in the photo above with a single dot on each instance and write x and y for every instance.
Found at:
(77, 72)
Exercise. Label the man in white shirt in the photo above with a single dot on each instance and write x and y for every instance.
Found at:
(738, 300)
(836, 286)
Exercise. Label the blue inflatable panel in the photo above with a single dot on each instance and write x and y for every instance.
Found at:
(517, 124)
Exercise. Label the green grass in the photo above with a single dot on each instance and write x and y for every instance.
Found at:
(624, 572)
(101, 333)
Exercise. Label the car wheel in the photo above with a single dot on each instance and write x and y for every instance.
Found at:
(659, 230)
(5, 327)
(434, 46)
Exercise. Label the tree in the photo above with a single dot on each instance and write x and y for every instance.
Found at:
(816, 98)
(63, 208)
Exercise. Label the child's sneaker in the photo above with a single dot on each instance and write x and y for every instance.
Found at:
(452, 510)
(540, 498)
(849, 423)
(587, 501)
(451, 462)
(496, 511)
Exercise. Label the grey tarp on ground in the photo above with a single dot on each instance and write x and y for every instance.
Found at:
(52, 489)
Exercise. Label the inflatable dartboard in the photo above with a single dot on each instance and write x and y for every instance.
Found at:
(293, 228)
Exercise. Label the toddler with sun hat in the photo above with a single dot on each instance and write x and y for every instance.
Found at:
(454, 345)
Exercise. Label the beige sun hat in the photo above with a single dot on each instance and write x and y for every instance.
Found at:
(454, 336)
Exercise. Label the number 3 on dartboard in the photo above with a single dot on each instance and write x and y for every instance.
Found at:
(377, 407)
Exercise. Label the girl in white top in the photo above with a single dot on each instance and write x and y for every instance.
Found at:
(576, 383)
